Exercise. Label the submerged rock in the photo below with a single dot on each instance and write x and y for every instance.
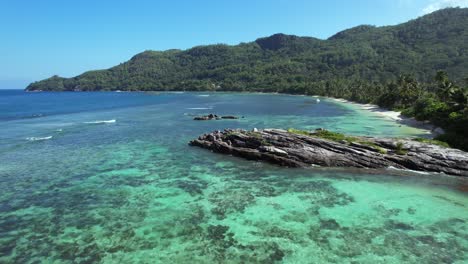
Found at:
(304, 149)
(206, 117)
(229, 117)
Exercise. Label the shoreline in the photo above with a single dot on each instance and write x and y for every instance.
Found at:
(395, 116)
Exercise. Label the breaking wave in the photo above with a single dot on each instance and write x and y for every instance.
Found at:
(406, 170)
(200, 108)
(101, 122)
(38, 138)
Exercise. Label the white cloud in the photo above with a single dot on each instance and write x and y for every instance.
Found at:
(439, 4)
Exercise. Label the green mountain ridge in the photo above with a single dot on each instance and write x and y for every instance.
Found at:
(287, 63)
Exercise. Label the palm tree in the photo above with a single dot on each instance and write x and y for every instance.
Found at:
(409, 89)
(446, 87)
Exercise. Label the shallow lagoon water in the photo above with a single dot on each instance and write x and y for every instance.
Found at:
(133, 191)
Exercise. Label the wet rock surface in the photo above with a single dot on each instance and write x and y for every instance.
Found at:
(296, 150)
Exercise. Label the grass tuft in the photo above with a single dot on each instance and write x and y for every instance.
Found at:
(433, 141)
(399, 149)
(372, 144)
(337, 137)
(299, 132)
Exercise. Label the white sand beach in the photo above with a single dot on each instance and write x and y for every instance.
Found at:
(394, 115)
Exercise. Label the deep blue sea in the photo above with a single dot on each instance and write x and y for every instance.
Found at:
(108, 177)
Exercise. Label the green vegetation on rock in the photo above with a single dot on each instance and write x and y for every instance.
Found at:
(375, 146)
(433, 141)
(337, 137)
(399, 150)
(334, 136)
(299, 132)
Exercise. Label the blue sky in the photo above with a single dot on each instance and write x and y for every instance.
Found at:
(47, 37)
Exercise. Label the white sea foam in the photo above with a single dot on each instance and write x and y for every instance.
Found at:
(200, 108)
(413, 171)
(38, 138)
(101, 122)
(203, 95)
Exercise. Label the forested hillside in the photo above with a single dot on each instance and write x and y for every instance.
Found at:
(285, 63)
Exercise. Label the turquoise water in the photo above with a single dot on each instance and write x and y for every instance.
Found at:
(130, 190)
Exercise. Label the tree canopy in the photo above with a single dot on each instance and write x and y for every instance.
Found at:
(285, 63)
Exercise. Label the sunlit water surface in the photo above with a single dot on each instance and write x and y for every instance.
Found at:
(130, 190)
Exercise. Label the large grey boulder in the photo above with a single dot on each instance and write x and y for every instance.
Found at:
(296, 150)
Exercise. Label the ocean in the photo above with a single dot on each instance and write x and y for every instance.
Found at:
(108, 177)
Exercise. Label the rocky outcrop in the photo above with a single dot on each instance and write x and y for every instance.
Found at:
(206, 117)
(229, 117)
(302, 150)
(214, 117)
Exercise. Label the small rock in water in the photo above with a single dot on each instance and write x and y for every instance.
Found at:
(229, 117)
(214, 117)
